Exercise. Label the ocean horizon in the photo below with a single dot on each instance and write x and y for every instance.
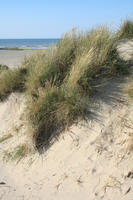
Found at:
(28, 43)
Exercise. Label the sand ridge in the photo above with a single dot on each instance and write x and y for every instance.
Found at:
(92, 160)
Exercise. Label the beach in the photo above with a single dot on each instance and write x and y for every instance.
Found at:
(91, 159)
(66, 100)
(14, 58)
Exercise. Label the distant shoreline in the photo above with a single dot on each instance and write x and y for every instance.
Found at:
(21, 49)
(27, 44)
(13, 57)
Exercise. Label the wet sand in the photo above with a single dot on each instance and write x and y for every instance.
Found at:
(14, 58)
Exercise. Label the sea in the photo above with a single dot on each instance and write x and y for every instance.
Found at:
(28, 43)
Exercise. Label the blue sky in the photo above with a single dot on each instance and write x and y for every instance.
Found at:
(52, 18)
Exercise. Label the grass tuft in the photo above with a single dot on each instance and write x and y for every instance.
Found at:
(126, 30)
(18, 153)
(12, 80)
(130, 89)
(5, 137)
(59, 83)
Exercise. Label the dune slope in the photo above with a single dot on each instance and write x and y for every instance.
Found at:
(92, 160)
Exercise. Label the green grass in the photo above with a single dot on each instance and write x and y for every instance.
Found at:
(17, 154)
(5, 137)
(130, 88)
(58, 84)
(3, 68)
(126, 30)
(12, 80)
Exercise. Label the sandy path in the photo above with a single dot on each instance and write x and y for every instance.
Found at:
(93, 160)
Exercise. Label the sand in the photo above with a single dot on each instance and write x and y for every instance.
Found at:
(14, 58)
(91, 161)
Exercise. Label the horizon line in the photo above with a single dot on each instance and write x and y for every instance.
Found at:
(26, 38)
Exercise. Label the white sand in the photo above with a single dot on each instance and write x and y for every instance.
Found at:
(13, 58)
(91, 161)
(125, 49)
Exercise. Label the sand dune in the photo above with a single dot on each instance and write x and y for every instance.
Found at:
(92, 160)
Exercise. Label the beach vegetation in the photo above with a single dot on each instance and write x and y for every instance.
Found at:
(18, 153)
(126, 30)
(5, 137)
(58, 84)
(12, 80)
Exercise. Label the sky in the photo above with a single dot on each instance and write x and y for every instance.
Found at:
(52, 18)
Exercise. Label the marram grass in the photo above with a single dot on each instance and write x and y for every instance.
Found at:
(58, 84)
